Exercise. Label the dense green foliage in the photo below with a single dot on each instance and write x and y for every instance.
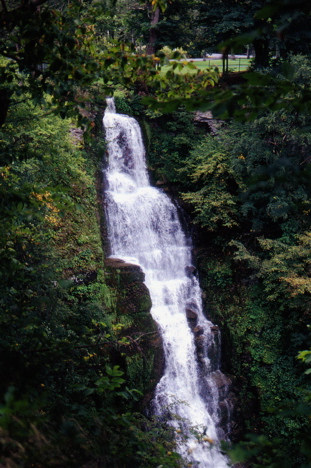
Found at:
(265, 29)
(249, 190)
(74, 363)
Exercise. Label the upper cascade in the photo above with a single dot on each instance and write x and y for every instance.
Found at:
(127, 169)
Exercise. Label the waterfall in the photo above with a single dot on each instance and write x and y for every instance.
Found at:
(144, 229)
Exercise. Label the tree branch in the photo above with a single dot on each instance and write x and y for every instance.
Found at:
(4, 6)
(142, 335)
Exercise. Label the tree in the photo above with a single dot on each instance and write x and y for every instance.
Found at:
(220, 21)
(153, 34)
(270, 27)
(45, 50)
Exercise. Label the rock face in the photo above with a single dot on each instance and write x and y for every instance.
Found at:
(191, 314)
(206, 118)
(144, 355)
(129, 272)
(197, 331)
(229, 403)
(223, 383)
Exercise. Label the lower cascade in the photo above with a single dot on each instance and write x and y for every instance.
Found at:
(144, 229)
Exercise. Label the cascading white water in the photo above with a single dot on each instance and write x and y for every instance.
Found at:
(144, 229)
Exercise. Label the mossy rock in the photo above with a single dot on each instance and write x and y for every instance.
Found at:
(133, 295)
(144, 355)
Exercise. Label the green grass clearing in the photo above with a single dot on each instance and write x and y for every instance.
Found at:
(239, 64)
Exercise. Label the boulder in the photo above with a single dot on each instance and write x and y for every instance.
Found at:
(197, 331)
(190, 270)
(223, 383)
(191, 314)
(200, 345)
(130, 272)
(206, 118)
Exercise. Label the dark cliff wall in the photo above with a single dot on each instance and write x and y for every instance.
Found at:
(143, 354)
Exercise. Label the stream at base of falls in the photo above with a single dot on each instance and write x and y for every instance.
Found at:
(144, 229)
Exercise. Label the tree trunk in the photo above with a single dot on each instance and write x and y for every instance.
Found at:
(4, 105)
(261, 48)
(225, 62)
(153, 34)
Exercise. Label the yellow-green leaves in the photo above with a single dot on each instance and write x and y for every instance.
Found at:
(214, 202)
(305, 356)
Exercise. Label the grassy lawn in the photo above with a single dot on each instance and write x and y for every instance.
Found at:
(239, 64)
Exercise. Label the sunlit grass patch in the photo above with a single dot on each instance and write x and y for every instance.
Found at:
(239, 64)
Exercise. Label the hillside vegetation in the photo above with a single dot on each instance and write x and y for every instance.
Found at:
(246, 186)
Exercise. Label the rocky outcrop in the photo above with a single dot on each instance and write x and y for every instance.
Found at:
(129, 271)
(133, 296)
(223, 383)
(144, 353)
(207, 119)
(191, 314)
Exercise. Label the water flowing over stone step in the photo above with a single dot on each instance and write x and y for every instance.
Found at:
(144, 229)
